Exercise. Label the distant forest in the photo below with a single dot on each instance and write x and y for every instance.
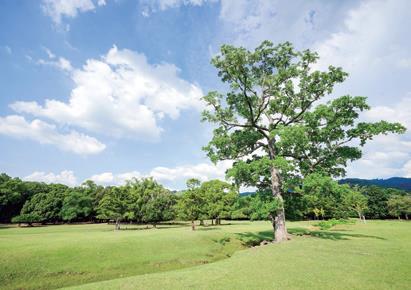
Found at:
(393, 182)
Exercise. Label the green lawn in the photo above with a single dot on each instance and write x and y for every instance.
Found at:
(372, 256)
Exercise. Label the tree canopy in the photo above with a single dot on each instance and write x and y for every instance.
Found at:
(272, 123)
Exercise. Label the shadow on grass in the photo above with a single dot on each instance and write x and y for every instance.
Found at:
(330, 235)
(250, 239)
(207, 228)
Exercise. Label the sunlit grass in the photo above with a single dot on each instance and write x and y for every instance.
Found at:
(372, 256)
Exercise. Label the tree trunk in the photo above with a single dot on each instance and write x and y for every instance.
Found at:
(363, 219)
(193, 226)
(201, 223)
(406, 216)
(117, 224)
(280, 230)
(212, 222)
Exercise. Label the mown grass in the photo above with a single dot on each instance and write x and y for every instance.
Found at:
(372, 256)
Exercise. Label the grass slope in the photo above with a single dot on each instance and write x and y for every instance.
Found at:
(372, 256)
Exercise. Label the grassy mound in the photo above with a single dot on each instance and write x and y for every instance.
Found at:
(372, 256)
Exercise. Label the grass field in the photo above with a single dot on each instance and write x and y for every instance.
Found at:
(372, 256)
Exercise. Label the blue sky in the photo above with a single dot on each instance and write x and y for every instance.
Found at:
(111, 89)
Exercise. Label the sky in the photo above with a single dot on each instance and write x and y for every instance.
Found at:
(111, 89)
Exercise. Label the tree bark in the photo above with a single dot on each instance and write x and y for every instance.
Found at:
(117, 224)
(280, 229)
(193, 226)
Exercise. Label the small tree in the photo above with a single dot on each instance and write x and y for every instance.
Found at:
(192, 204)
(399, 205)
(271, 123)
(220, 197)
(354, 200)
(115, 205)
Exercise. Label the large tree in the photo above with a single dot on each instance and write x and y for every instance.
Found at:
(271, 122)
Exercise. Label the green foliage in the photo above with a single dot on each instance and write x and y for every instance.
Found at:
(325, 198)
(47, 205)
(220, 197)
(28, 218)
(76, 205)
(264, 206)
(399, 206)
(269, 109)
(192, 204)
(377, 200)
(326, 225)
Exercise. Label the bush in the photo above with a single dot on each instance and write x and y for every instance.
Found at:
(326, 225)
(28, 218)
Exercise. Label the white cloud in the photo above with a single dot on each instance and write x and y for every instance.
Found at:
(397, 112)
(371, 38)
(201, 171)
(152, 6)
(7, 49)
(108, 178)
(248, 22)
(407, 169)
(57, 9)
(45, 133)
(65, 177)
(121, 95)
(171, 177)
(60, 63)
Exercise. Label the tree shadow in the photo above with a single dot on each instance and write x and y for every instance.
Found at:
(329, 235)
(206, 228)
(251, 239)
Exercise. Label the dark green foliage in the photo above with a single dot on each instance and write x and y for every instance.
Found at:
(192, 205)
(328, 224)
(264, 206)
(28, 218)
(399, 205)
(47, 205)
(241, 209)
(76, 206)
(377, 200)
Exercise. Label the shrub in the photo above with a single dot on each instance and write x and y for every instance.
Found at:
(28, 218)
(326, 225)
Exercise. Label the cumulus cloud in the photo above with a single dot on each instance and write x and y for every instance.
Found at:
(58, 9)
(390, 155)
(46, 133)
(108, 178)
(66, 177)
(121, 95)
(201, 171)
(172, 177)
(248, 22)
(397, 112)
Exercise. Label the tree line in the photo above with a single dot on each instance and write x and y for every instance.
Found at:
(146, 201)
